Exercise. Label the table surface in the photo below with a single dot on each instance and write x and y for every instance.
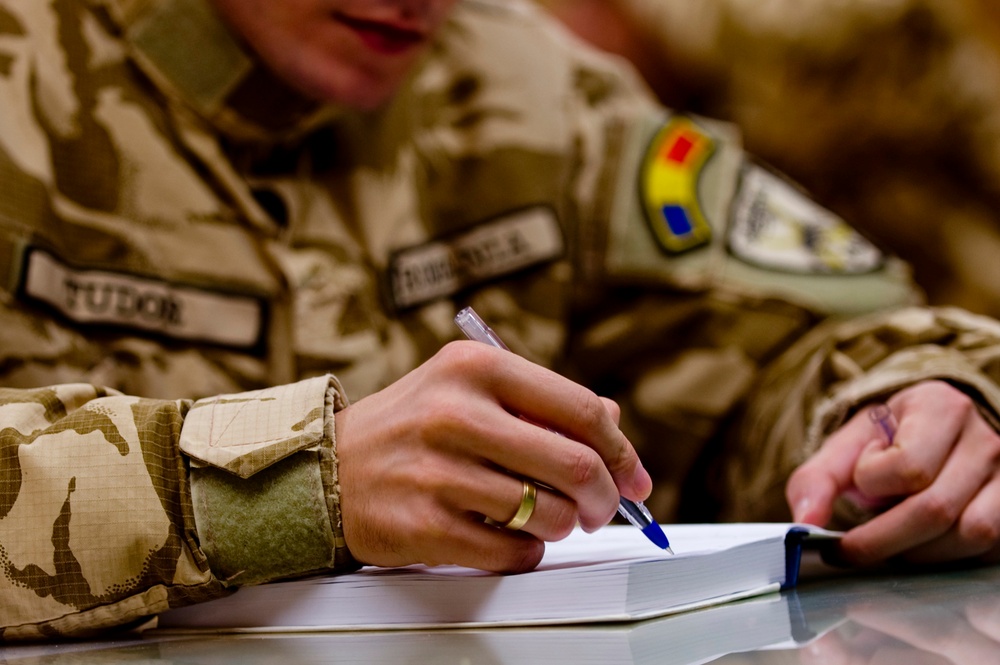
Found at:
(941, 617)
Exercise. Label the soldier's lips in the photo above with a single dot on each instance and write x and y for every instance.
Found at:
(385, 37)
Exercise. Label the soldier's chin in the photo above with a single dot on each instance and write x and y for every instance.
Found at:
(358, 90)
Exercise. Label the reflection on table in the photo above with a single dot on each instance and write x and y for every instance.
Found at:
(941, 619)
(947, 617)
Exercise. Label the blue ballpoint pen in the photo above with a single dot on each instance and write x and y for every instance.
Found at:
(476, 329)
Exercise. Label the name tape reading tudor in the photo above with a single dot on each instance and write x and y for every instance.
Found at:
(100, 297)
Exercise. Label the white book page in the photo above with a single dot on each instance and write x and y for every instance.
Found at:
(621, 542)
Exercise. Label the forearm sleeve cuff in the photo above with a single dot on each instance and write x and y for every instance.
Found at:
(901, 370)
(264, 482)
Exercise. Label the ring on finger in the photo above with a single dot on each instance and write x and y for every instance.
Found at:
(529, 492)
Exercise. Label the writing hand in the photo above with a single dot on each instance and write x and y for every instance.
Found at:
(424, 461)
(938, 484)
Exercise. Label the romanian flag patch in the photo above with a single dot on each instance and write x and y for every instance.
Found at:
(669, 185)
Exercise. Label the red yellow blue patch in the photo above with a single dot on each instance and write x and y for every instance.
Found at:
(669, 185)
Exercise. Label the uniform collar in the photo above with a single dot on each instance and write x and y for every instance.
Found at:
(193, 57)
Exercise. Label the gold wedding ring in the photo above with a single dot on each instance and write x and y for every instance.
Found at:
(526, 507)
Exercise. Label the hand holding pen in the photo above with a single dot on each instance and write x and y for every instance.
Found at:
(423, 461)
(634, 511)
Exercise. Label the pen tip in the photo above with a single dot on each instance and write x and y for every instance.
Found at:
(655, 534)
(669, 550)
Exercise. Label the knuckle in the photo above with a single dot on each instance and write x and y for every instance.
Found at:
(953, 400)
(437, 526)
(992, 444)
(939, 513)
(465, 358)
(563, 519)
(913, 477)
(624, 457)
(593, 415)
(431, 481)
(590, 410)
(979, 532)
(448, 417)
(585, 467)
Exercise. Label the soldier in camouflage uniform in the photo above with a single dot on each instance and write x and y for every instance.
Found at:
(204, 267)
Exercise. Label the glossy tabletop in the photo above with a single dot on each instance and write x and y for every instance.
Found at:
(944, 617)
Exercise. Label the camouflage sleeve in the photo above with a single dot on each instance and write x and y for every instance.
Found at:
(818, 384)
(115, 508)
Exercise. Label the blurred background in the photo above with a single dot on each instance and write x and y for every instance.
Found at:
(887, 111)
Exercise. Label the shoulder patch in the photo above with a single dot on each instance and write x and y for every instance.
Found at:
(669, 185)
(776, 226)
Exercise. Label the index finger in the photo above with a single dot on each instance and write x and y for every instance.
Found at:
(550, 400)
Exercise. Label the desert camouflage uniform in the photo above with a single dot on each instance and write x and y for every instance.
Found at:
(192, 254)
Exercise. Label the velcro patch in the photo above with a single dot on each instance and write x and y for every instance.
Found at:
(501, 246)
(776, 226)
(98, 297)
(669, 185)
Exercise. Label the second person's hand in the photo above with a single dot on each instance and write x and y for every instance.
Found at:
(937, 487)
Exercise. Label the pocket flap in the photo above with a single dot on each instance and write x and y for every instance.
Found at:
(245, 432)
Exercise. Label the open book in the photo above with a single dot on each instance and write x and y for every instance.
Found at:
(612, 575)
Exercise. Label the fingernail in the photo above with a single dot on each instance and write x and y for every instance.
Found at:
(801, 508)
